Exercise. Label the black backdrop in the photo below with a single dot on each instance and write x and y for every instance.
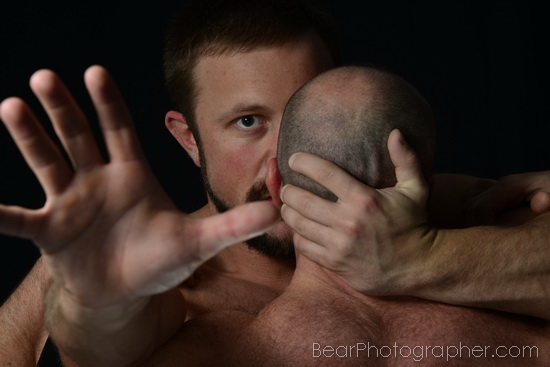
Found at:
(480, 64)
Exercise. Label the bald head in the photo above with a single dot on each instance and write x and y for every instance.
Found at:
(345, 115)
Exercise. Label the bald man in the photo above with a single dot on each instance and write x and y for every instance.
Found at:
(345, 115)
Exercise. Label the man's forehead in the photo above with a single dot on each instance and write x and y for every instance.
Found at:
(266, 76)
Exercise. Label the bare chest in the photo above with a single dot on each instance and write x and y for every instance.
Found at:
(330, 331)
(235, 323)
(218, 315)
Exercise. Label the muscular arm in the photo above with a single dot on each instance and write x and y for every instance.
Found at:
(503, 268)
(23, 335)
(380, 242)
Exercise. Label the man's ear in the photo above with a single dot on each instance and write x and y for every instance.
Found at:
(178, 127)
(274, 182)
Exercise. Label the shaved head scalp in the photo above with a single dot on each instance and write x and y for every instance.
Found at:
(345, 115)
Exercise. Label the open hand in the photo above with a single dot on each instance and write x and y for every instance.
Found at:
(108, 232)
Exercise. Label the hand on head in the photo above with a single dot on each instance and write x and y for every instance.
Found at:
(368, 237)
(358, 195)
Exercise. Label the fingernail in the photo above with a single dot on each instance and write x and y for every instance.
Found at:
(282, 191)
(292, 159)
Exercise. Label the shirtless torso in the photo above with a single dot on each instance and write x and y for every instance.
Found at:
(236, 319)
(315, 321)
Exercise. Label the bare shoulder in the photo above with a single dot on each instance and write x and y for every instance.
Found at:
(293, 329)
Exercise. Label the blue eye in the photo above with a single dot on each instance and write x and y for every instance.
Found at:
(248, 122)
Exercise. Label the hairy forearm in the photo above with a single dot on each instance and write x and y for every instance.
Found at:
(503, 268)
(115, 336)
(22, 331)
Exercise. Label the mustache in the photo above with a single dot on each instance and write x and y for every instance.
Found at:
(258, 192)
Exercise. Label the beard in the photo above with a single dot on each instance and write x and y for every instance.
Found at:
(266, 244)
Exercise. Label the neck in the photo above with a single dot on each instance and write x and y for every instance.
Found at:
(310, 274)
(241, 262)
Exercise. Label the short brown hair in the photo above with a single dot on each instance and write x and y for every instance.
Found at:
(216, 27)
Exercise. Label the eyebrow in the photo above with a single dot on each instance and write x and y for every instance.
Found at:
(243, 108)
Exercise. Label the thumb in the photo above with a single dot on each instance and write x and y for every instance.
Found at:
(408, 170)
(236, 225)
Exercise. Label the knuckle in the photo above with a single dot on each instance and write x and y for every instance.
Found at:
(366, 203)
(354, 219)
(342, 249)
(351, 228)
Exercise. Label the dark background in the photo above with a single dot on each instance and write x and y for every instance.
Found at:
(480, 64)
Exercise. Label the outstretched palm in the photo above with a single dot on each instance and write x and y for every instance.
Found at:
(108, 232)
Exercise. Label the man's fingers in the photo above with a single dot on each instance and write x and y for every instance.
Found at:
(307, 228)
(311, 250)
(326, 173)
(540, 202)
(484, 208)
(40, 153)
(114, 117)
(309, 205)
(408, 170)
(18, 222)
(69, 122)
(236, 225)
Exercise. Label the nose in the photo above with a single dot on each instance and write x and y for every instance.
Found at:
(273, 182)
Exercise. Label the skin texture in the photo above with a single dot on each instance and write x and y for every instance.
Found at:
(116, 299)
(379, 240)
(110, 212)
(242, 85)
(22, 320)
(317, 307)
(235, 281)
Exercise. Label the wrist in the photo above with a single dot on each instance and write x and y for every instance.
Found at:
(63, 306)
(415, 270)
